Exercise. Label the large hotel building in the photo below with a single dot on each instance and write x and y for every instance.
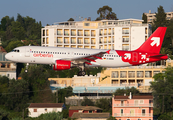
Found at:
(126, 34)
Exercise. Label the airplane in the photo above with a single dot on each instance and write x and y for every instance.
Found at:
(67, 58)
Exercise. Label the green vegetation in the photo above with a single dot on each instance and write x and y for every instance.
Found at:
(106, 13)
(126, 91)
(87, 102)
(105, 104)
(23, 28)
(162, 89)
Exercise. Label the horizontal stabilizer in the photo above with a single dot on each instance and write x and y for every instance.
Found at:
(155, 56)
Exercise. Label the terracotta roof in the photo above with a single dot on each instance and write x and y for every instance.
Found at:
(142, 97)
(121, 97)
(46, 105)
(90, 115)
(134, 97)
(84, 108)
(2, 49)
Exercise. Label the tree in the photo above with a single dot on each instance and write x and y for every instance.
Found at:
(65, 92)
(105, 104)
(162, 91)
(169, 36)
(106, 13)
(18, 30)
(13, 44)
(127, 91)
(50, 116)
(144, 17)
(165, 51)
(71, 19)
(160, 19)
(37, 78)
(87, 102)
(111, 118)
(18, 95)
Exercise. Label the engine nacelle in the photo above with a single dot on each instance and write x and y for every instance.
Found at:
(62, 65)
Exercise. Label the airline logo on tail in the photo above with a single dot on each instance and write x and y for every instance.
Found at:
(156, 41)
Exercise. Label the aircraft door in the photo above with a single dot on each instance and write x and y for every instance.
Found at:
(27, 52)
(134, 57)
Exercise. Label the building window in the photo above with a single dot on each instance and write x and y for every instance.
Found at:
(2, 65)
(131, 74)
(87, 24)
(114, 81)
(43, 40)
(148, 74)
(125, 39)
(114, 74)
(123, 74)
(140, 74)
(125, 47)
(141, 101)
(121, 112)
(155, 72)
(143, 112)
(43, 32)
(90, 111)
(45, 109)
(125, 31)
(35, 110)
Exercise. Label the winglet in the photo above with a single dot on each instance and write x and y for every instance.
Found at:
(108, 51)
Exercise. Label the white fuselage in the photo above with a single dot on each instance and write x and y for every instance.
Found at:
(48, 55)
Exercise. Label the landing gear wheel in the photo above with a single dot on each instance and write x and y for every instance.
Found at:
(81, 73)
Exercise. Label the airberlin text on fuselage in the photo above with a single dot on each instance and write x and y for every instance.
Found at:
(42, 55)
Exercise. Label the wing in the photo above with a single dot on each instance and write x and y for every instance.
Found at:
(89, 58)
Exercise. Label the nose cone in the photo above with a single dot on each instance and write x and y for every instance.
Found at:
(7, 56)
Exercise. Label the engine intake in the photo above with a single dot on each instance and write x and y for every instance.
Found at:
(62, 65)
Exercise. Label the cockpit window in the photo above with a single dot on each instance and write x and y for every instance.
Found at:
(15, 50)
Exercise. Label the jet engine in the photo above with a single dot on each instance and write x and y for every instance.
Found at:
(62, 65)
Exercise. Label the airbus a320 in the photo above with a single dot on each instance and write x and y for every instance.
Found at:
(66, 58)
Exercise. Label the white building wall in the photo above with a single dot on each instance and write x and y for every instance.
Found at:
(137, 36)
(42, 111)
(51, 37)
(118, 38)
(11, 75)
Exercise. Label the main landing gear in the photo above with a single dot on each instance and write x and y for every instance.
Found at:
(81, 70)
(81, 73)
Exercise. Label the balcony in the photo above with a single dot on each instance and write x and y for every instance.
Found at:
(59, 34)
(79, 42)
(133, 105)
(133, 114)
(73, 34)
(125, 32)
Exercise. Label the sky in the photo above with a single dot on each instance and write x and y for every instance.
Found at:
(51, 11)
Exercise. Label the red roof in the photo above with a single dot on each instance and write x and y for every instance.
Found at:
(46, 105)
(134, 97)
(2, 49)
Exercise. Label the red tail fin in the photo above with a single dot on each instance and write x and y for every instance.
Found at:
(154, 42)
